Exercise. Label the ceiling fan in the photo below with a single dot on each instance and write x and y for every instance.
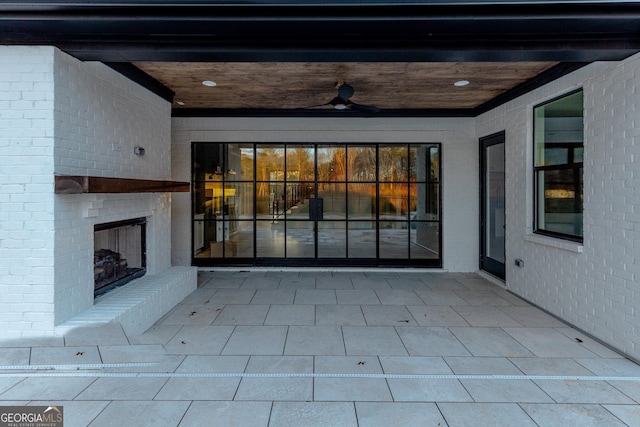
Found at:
(342, 101)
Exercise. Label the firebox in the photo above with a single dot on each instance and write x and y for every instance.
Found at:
(119, 253)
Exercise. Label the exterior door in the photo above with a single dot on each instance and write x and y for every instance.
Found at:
(492, 217)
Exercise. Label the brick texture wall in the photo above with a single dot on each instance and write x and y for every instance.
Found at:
(593, 285)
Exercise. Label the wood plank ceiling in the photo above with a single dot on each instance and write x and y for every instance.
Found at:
(296, 85)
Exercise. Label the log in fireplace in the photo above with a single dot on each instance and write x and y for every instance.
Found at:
(119, 253)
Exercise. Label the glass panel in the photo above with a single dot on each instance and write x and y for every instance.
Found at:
(560, 196)
(300, 240)
(494, 203)
(394, 201)
(334, 200)
(300, 163)
(425, 240)
(298, 195)
(270, 200)
(331, 239)
(332, 163)
(361, 163)
(270, 239)
(424, 202)
(362, 239)
(424, 163)
(270, 163)
(240, 242)
(394, 240)
(246, 162)
(559, 130)
(361, 202)
(393, 163)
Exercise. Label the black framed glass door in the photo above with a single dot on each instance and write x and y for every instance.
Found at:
(316, 204)
(492, 217)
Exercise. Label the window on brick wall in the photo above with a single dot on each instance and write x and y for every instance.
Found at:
(558, 165)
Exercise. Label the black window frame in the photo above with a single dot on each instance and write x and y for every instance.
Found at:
(571, 164)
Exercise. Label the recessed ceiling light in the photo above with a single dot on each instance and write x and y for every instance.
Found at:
(180, 103)
(461, 83)
(209, 83)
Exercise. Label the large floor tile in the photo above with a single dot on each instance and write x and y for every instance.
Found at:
(199, 340)
(253, 314)
(398, 297)
(315, 296)
(590, 344)
(315, 340)
(505, 390)
(227, 414)
(436, 316)
(431, 341)
(482, 366)
(357, 297)
(370, 283)
(300, 315)
(47, 388)
(232, 296)
(347, 365)
(280, 364)
(104, 334)
(339, 315)
(573, 391)
(382, 414)
(488, 342)
(266, 282)
(123, 389)
(274, 296)
(275, 389)
(199, 296)
(340, 282)
(485, 298)
(414, 365)
(14, 356)
(157, 334)
(6, 383)
(192, 314)
(546, 415)
(531, 317)
(65, 355)
(611, 367)
(76, 413)
(313, 414)
(485, 415)
(199, 388)
(214, 364)
(549, 366)
(137, 413)
(547, 342)
(250, 340)
(351, 389)
(388, 315)
(630, 414)
(373, 340)
(484, 316)
(428, 390)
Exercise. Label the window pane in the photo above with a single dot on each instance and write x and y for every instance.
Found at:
(424, 202)
(394, 201)
(362, 239)
(331, 239)
(332, 163)
(559, 131)
(393, 163)
(270, 200)
(560, 201)
(394, 240)
(361, 201)
(240, 162)
(361, 163)
(270, 163)
(240, 242)
(270, 239)
(425, 240)
(300, 240)
(424, 163)
(300, 163)
(334, 199)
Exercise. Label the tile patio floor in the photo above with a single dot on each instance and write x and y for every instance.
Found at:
(374, 348)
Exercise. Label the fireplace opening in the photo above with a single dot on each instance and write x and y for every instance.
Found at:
(119, 253)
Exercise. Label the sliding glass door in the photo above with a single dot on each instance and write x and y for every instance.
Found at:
(316, 204)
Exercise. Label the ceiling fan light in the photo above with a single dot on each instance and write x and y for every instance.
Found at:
(209, 83)
(340, 107)
(460, 83)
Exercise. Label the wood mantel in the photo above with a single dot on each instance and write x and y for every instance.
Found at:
(97, 184)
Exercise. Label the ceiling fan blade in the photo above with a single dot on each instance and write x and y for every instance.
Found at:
(345, 91)
(363, 108)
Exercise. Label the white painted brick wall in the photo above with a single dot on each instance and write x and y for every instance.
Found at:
(594, 285)
(26, 190)
(97, 109)
(459, 159)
